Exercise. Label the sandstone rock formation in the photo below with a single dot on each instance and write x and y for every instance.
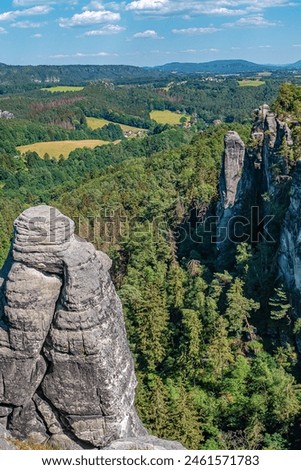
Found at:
(235, 186)
(232, 168)
(290, 246)
(66, 372)
(249, 178)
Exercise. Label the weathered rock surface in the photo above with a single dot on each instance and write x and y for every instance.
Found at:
(290, 244)
(249, 178)
(146, 443)
(66, 372)
(233, 163)
(5, 439)
(235, 186)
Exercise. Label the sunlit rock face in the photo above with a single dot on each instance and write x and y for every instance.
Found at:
(251, 177)
(66, 372)
(290, 244)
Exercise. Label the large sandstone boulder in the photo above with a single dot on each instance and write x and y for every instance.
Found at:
(66, 372)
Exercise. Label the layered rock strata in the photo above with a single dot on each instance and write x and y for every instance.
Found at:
(66, 372)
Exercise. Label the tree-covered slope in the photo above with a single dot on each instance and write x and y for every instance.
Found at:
(212, 371)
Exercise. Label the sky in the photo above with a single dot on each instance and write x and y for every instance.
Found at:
(148, 32)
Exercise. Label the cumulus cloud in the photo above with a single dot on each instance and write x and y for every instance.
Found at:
(206, 7)
(147, 5)
(256, 21)
(105, 31)
(94, 5)
(2, 31)
(149, 33)
(37, 36)
(37, 10)
(88, 18)
(196, 31)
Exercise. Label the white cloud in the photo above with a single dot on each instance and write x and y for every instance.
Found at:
(37, 10)
(88, 18)
(94, 5)
(256, 21)
(196, 31)
(83, 54)
(37, 36)
(2, 31)
(149, 33)
(27, 24)
(106, 30)
(147, 5)
(223, 12)
(25, 3)
(95, 54)
(189, 51)
(206, 7)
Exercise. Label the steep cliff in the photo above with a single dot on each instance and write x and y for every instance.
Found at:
(66, 372)
(290, 247)
(251, 180)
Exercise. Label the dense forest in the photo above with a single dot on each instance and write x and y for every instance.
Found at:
(213, 372)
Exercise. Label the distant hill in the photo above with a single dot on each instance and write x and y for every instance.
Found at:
(14, 78)
(216, 66)
(296, 65)
(20, 77)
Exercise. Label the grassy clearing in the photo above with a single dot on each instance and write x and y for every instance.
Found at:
(254, 83)
(60, 147)
(167, 117)
(97, 123)
(62, 89)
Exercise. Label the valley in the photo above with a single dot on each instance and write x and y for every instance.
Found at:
(156, 166)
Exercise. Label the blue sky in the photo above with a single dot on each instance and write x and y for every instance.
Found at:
(148, 32)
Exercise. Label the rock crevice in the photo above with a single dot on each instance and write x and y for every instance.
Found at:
(66, 372)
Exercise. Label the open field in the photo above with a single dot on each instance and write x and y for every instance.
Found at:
(254, 83)
(96, 123)
(167, 117)
(62, 89)
(60, 147)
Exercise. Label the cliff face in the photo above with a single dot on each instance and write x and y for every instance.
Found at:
(290, 246)
(250, 178)
(232, 169)
(66, 372)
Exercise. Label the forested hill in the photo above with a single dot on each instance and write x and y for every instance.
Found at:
(14, 77)
(223, 67)
(216, 66)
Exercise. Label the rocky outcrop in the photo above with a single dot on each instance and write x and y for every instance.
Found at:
(5, 439)
(66, 372)
(290, 246)
(232, 168)
(236, 192)
(6, 115)
(250, 177)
